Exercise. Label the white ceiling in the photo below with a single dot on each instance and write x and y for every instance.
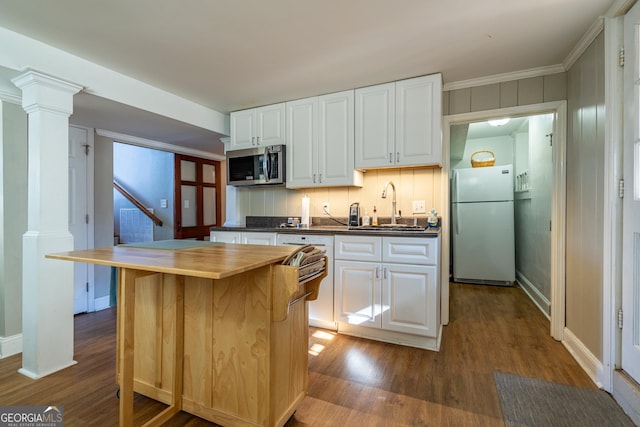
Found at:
(234, 54)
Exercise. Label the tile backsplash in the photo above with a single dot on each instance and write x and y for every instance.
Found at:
(411, 184)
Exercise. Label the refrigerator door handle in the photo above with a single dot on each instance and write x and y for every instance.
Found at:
(456, 218)
(454, 186)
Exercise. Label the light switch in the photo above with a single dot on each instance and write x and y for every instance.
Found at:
(419, 207)
(186, 204)
(163, 203)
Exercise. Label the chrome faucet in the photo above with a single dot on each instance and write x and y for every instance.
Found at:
(393, 200)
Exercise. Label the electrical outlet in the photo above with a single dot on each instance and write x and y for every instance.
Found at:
(325, 208)
(419, 207)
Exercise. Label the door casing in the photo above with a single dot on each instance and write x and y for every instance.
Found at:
(558, 204)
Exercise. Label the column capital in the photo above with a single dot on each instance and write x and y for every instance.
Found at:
(43, 92)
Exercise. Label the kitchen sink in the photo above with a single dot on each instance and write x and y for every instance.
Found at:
(389, 227)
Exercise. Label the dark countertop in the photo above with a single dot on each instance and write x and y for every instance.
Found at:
(334, 230)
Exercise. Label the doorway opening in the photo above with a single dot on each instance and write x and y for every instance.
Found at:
(517, 247)
(535, 137)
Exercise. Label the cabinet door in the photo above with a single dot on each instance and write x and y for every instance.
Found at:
(302, 143)
(358, 248)
(418, 121)
(410, 299)
(225, 236)
(357, 293)
(259, 238)
(375, 126)
(243, 130)
(410, 250)
(336, 156)
(270, 121)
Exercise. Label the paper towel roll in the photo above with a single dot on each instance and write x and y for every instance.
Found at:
(304, 216)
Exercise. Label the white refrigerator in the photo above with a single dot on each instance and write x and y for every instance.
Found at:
(483, 225)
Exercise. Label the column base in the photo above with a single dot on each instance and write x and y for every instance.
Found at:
(47, 305)
(36, 376)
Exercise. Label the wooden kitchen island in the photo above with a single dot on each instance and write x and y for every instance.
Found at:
(216, 330)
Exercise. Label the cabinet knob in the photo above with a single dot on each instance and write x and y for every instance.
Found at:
(398, 157)
(320, 178)
(390, 157)
(257, 140)
(314, 178)
(377, 272)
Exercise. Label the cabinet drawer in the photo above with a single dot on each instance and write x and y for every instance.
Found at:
(259, 238)
(225, 236)
(358, 248)
(410, 250)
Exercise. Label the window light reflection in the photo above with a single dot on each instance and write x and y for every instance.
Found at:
(323, 335)
(367, 314)
(316, 349)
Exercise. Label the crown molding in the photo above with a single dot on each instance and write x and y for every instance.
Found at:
(10, 97)
(619, 8)
(157, 145)
(506, 77)
(596, 28)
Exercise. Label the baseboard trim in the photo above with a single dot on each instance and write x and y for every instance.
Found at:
(589, 363)
(10, 345)
(534, 294)
(101, 303)
(627, 393)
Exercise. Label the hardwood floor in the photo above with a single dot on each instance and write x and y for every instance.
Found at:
(352, 381)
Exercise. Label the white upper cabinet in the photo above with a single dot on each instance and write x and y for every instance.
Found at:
(320, 142)
(419, 121)
(404, 119)
(375, 126)
(255, 127)
(302, 142)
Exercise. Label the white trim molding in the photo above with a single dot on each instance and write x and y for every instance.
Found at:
(101, 303)
(541, 301)
(10, 97)
(506, 77)
(10, 345)
(586, 40)
(626, 392)
(612, 206)
(157, 145)
(590, 363)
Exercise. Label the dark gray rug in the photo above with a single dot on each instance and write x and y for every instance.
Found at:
(528, 402)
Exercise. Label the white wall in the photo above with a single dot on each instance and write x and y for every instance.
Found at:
(148, 175)
(533, 212)
(501, 146)
(103, 210)
(13, 215)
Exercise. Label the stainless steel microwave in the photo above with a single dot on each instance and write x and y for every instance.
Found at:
(256, 166)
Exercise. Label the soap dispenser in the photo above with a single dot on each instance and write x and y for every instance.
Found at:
(365, 218)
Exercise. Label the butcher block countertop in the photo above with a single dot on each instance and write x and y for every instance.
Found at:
(183, 257)
(213, 329)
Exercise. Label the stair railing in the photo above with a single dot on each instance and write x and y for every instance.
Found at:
(157, 221)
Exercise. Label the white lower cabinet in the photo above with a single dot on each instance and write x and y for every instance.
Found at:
(244, 237)
(391, 301)
(408, 295)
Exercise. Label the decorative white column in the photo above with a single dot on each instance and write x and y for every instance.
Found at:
(47, 286)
